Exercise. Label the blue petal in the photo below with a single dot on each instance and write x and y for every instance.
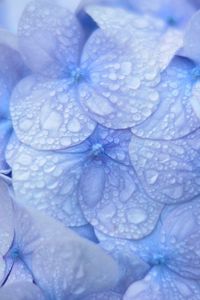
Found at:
(47, 115)
(163, 285)
(50, 38)
(168, 170)
(191, 39)
(173, 12)
(104, 296)
(19, 272)
(121, 68)
(195, 99)
(174, 117)
(80, 267)
(21, 290)
(116, 205)
(6, 218)
(132, 267)
(48, 180)
(179, 238)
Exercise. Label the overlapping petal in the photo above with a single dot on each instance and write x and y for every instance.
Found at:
(21, 290)
(46, 114)
(116, 204)
(163, 285)
(174, 117)
(48, 180)
(50, 38)
(173, 12)
(168, 170)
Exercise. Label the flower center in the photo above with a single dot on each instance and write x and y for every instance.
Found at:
(76, 74)
(158, 260)
(171, 21)
(97, 149)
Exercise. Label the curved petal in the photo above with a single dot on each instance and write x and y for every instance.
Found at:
(47, 115)
(173, 12)
(163, 285)
(179, 238)
(131, 266)
(19, 272)
(104, 296)
(113, 202)
(80, 268)
(50, 38)
(191, 45)
(168, 170)
(6, 218)
(116, 94)
(146, 31)
(174, 117)
(48, 180)
(21, 290)
(5, 132)
(195, 99)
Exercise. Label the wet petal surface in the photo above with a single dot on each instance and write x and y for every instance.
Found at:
(47, 115)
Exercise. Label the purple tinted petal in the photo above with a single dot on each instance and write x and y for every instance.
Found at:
(21, 290)
(50, 38)
(47, 115)
(174, 117)
(162, 285)
(48, 180)
(116, 205)
(168, 170)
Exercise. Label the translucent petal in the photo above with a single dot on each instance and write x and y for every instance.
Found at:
(173, 12)
(21, 290)
(174, 117)
(168, 170)
(47, 115)
(48, 180)
(117, 95)
(6, 218)
(116, 205)
(80, 268)
(121, 68)
(140, 30)
(131, 266)
(179, 238)
(50, 38)
(163, 285)
(191, 39)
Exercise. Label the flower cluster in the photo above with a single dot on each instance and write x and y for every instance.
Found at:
(100, 152)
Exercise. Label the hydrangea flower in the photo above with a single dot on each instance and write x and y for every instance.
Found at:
(30, 244)
(116, 87)
(172, 253)
(89, 182)
(11, 71)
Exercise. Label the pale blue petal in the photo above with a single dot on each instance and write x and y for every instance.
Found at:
(21, 290)
(173, 12)
(86, 231)
(179, 238)
(191, 39)
(104, 296)
(162, 284)
(47, 115)
(48, 180)
(159, 43)
(6, 218)
(168, 170)
(174, 117)
(19, 272)
(50, 38)
(122, 71)
(80, 268)
(132, 267)
(195, 99)
(112, 201)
